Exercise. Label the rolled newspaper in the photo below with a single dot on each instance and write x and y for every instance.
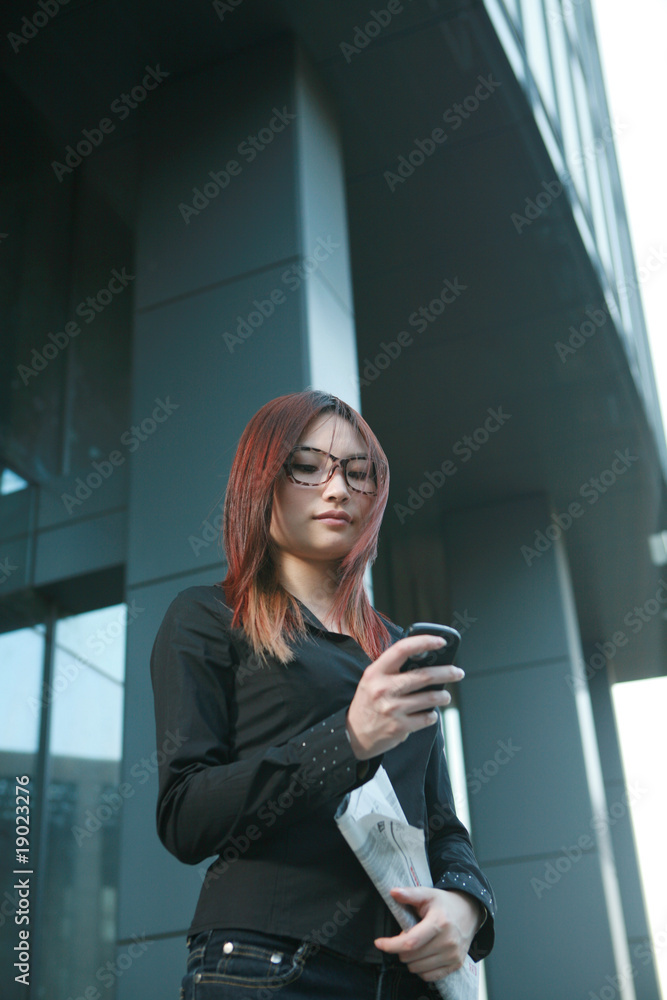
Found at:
(393, 853)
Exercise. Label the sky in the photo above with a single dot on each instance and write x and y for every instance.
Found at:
(632, 50)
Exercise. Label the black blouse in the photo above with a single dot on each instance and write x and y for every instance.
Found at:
(256, 761)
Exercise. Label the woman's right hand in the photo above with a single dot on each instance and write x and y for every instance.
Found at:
(385, 708)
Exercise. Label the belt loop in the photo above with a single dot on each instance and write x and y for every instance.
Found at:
(305, 950)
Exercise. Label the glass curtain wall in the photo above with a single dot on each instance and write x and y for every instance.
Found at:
(552, 48)
(62, 727)
(66, 291)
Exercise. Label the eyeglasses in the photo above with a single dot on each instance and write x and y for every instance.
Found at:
(312, 467)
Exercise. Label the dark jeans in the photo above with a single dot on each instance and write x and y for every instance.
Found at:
(230, 964)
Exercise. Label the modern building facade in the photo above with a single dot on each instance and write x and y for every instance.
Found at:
(415, 206)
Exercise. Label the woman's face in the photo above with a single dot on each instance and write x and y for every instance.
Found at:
(295, 526)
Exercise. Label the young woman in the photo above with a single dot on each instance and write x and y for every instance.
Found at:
(284, 686)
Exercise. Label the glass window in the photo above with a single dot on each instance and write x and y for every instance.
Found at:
(537, 49)
(588, 145)
(21, 659)
(509, 34)
(512, 7)
(66, 321)
(11, 483)
(21, 664)
(84, 803)
(623, 285)
(567, 112)
(553, 11)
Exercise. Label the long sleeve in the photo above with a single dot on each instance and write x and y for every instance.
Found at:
(207, 793)
(451, 857)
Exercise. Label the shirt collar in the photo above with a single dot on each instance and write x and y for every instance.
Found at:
(316, 624)
(308, 615)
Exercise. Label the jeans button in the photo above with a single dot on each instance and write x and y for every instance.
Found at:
(228, 947)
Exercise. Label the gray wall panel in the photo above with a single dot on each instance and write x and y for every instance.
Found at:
(180, 473)
(486, 550)
(543, 809)
(66, 499)
(206, 117)
(14, 569)
(15, 513)
(80, 547)
(533, 800)
(552, 946)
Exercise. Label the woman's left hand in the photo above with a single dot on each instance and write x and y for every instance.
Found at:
(439, 943)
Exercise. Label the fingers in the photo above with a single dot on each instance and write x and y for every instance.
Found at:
(407, 691)
(424, 705)
(389, 705)
(400, 942)
(430, 949)
(414, 680)
(393, 658)
(412, 940)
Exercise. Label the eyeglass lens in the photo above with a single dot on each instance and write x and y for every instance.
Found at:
(313, 467)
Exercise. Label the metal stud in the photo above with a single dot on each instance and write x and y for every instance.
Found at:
(228, 947)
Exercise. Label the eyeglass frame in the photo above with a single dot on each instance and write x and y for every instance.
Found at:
(342, 462)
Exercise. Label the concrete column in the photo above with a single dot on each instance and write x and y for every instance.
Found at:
(242, 294)
(535, 782)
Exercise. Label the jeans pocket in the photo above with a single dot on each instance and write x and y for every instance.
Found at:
(249, 960)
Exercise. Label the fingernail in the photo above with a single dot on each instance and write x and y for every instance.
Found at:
(461, 673)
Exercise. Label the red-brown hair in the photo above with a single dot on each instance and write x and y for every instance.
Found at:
(269, 614)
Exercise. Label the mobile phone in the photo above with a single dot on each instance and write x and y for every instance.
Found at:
(432, 657)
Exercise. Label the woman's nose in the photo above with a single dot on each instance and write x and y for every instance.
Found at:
(337, 484)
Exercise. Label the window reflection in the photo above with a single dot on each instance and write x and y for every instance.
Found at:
(84, 805)
(86, 720)
(11, 482)
(21, 658)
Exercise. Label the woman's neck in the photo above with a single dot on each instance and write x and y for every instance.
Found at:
(314, 584)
